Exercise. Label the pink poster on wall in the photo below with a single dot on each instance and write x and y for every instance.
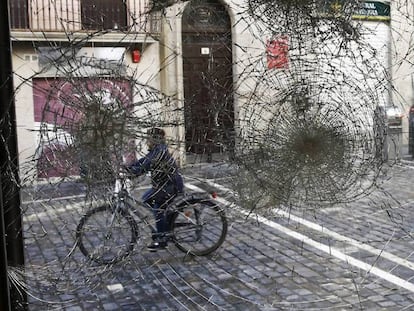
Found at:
(67, 112)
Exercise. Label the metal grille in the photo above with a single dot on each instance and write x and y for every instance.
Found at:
(78, 15)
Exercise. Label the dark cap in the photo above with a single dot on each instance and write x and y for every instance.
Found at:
(156, 133)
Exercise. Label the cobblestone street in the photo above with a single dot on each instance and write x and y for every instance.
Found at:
(354, 257)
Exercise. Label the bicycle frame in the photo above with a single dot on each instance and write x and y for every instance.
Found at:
(187, 221)
(122, 194)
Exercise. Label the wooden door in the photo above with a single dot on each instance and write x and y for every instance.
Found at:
(208, 81)
(208, 99)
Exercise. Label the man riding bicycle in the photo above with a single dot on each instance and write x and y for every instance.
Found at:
(165, 179)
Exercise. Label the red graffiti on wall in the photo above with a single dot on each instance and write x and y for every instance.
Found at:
(277, 51)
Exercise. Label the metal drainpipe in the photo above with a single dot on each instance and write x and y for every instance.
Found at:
(10, 213)
(179, 78)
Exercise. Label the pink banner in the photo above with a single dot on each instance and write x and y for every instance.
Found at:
(63, 107)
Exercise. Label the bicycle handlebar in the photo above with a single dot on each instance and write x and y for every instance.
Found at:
(123, 182)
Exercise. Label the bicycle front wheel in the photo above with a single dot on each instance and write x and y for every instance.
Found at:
(199, 228)
(106, 236)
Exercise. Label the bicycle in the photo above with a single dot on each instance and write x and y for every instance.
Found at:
(108, 233)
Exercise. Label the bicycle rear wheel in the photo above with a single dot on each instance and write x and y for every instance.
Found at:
(106, 236)
(199, 227)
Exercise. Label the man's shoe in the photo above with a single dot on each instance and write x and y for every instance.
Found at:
(154, 246)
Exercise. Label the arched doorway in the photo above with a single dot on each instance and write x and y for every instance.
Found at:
(208, 79)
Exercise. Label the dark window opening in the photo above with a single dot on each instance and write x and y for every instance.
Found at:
(104, 14)
(19, 14)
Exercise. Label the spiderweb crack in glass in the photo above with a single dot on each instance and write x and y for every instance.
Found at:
(305, 79)
(310, 137)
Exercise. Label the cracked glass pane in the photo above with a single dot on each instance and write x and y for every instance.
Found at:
(207, 155)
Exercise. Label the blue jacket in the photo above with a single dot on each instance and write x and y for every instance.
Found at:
(163, 168)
